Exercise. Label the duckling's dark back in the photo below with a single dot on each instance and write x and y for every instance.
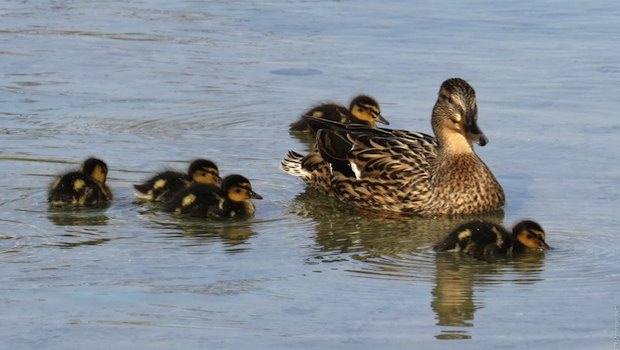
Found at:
(328, 111)
(200, 200)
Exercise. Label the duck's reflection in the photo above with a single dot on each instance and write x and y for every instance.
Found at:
(341, 229)
(402, 248)
(457, 276)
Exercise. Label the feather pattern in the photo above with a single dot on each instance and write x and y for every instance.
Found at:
(401, 171)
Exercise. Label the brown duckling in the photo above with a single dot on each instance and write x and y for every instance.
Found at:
(363, 110)
(84, 187)
(164, 185)
(486, 240)
(232, 199)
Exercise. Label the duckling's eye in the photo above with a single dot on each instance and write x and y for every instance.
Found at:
(238, 190)
(531, 236)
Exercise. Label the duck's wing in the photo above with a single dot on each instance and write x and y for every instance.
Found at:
(363, 152)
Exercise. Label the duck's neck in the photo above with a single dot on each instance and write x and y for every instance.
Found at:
(454, 144)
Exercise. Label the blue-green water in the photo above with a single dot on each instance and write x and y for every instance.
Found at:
(150, 85)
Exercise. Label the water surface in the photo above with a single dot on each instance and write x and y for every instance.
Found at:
(152, 85)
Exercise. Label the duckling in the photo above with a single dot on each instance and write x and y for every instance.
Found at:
(232, 199)
(164, 185)
(84, 187)
(485, 240)
(404, 172)
(363, 110)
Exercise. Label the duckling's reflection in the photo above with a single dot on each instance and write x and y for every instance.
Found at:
(456, 278)
(388, 241)
(234, 234)
(74, 236)
(78, 216)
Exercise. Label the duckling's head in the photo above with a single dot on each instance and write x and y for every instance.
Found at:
(530, 234)
(455, 116)
(238, 188)
(367, 111)
(96, 169)
(204, 171)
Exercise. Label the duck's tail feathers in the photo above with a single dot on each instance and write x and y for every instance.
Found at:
(292, 164)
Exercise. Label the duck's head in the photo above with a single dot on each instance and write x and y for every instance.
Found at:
(455, 116)
(530, 234)
(367, 111)
(204, 171)
(96, 169)
(238, 188)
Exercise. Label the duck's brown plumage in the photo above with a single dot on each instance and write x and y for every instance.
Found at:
(405, 172)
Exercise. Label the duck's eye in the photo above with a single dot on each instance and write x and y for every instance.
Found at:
(238, 190)
(531, 236)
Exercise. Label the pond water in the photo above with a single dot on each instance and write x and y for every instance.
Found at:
(148, 85)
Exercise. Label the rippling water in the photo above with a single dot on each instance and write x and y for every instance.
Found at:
(151, 85)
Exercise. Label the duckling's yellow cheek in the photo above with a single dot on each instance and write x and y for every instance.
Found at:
(99, 174)
(78, 185)
(188, 200)
(159, 184)
(236, 195)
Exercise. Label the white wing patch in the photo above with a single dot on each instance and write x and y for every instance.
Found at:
(356, 170)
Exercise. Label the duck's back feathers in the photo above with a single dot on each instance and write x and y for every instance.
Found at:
(326, 111)
(405, 172)
(199, 200)
(77, 188)
(162, 186)
(486, 240)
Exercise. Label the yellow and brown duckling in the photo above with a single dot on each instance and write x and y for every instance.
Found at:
(164, 185)
(404, 172)
(232, 199)
(486, 240)
(84, 187)
(363, 110)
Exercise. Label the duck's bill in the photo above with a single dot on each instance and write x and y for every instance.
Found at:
(255, 195)
(381, 119)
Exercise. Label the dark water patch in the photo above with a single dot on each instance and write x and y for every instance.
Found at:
(296, 72)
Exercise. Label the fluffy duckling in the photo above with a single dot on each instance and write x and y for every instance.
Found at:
(405, 172)
(84, 187)
(232, 199)
(485, 240)
(163, 186)
(363, 110)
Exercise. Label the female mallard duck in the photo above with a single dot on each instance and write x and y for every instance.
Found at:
(232, 199)
(85, 187)
(363, 110)
(163, 186)
(485, 240)
(405, 172)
